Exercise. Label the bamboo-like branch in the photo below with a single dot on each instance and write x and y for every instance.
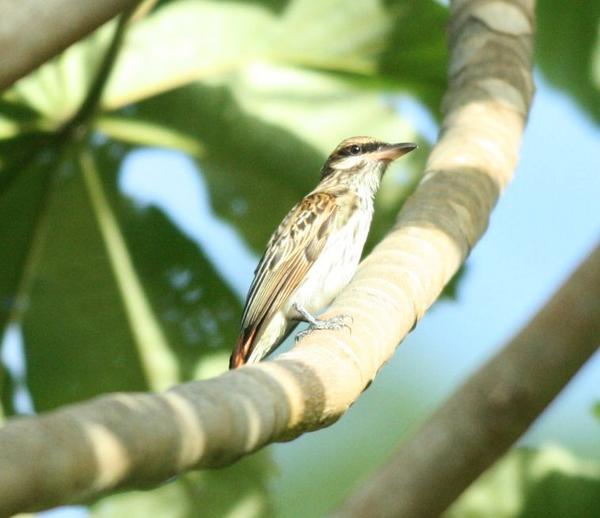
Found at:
(128, 440)
(480, 421)
(33, 31)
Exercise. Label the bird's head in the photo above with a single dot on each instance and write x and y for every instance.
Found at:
(363, 155)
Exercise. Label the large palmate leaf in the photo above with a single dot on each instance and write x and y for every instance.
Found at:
(376, 44)
(258, 166)
(104, 313)
(381, 43)
(77, 339)
(263, 58)
(196, 309)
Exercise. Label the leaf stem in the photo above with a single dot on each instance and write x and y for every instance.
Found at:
(77, 126)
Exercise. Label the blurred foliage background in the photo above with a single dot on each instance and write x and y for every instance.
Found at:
(103, 287)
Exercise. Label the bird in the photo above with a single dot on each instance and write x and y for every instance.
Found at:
(315, 251)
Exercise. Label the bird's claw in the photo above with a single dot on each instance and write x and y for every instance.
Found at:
(333, 323)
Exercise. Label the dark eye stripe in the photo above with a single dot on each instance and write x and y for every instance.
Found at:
(371, 146)
(365, 148)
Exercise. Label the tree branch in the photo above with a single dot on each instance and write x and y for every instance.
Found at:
(37, 30)
(491, 410)
(128, 440)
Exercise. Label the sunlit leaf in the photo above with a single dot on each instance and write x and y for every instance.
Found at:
(206, 40)
(213, 41)
(379, 44)
(168, 501)
(58, 87)
(148, 134)
(550, 482)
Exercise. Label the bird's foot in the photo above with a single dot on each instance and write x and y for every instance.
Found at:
(333, 323)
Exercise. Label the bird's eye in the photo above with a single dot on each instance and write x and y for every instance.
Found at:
(355, 149)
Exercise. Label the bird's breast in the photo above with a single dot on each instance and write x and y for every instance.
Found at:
(336, 264)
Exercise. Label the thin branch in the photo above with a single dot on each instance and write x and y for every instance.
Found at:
(128, 440)
(90, 104)
(39, 29)
(480, 421)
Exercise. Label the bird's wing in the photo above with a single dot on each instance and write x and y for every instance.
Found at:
(291, 251)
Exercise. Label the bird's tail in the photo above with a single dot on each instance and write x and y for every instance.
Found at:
(243, 348)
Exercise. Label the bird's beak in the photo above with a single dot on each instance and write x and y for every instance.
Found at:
(393, 151)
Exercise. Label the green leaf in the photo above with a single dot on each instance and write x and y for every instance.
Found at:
(22, 209)
(148, 134)
(105, 313)
(169, 501)
(57, 88)
(215, 41)
(197, 312)
(550, 482)
(206, 39)
(381, 45)
(568, 52)
(77, 339)
(249, 164)
(23, 198)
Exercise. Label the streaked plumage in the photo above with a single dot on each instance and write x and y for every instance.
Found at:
(315, 250)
